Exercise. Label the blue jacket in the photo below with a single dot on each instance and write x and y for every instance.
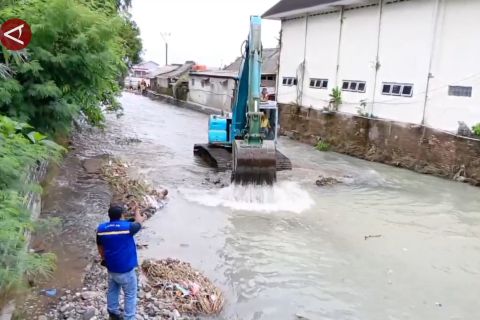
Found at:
(116, 238)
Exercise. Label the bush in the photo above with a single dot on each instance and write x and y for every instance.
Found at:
(20, 150)
(476, 129)
(322, 146)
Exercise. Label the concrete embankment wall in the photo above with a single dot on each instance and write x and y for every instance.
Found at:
(183, 104)
(410, 146)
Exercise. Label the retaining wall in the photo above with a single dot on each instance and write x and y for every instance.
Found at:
(410, 146)
(183, 104)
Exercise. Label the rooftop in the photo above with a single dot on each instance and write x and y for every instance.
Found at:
(162, 70)
(295, 8)
(178, 71)
(145, 65)
(229, 74)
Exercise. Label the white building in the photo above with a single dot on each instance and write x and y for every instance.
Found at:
(140, 72)
(214, 89)
(415, 61)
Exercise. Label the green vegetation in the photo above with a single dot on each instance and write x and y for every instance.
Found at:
(79, 53)
(476, 129)
(20, 148)
(335, 99)
(322, 146)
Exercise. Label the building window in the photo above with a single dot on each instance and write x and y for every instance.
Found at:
(264, 77)
(318, 83)
(193, 82)
(271, 78)
(459, 91)
(289, 81)
(397, 89)
(354, 86)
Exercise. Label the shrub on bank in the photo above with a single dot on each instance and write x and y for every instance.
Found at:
(21, 149)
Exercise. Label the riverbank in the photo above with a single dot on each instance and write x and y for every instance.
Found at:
(90, 177)
(414, 147)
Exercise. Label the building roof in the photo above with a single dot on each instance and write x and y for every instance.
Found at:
(145, 65)
(227, 74)
(293, 8)
(162, 70)
(269, 64)
(179, 71)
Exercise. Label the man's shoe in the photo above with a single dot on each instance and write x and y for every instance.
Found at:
(113, 316)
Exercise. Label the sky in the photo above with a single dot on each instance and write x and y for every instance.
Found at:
(209, 32)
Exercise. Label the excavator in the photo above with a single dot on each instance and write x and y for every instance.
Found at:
(237, 140)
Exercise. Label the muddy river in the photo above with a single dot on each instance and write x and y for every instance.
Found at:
(384, 244)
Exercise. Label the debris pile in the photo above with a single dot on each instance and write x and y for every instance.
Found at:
(89, 303)
(186, 289)
(326, 181)
(133, 193)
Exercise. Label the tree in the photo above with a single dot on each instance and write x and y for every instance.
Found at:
(73, 65)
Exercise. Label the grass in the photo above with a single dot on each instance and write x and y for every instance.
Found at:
(322, 146)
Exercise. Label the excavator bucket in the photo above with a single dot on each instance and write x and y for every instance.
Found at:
(254, 164)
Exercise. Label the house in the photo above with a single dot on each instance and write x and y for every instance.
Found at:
(152, 76)
(141, 71)
(413, 61)
(269, 69)
(214, 88)
(165, 82)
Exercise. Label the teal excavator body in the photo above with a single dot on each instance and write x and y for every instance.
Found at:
(253, 155)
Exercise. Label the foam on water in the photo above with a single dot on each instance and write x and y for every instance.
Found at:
(283, 196)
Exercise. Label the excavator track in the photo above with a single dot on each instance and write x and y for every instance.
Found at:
(221, 157)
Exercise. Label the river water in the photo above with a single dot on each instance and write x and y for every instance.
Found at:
(295, 249)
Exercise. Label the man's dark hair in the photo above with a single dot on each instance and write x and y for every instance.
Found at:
(115, 211)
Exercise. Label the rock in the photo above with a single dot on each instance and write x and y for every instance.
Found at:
(92, 166)
(175, 313)
(166, 313)
(65, 308)
(89, 313)
(80, 310)
(42, 318)
(89, 295)
(148, 295)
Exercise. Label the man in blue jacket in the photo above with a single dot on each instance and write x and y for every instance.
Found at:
(119, 253)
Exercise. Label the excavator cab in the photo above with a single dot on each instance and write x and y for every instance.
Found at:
(270, 111)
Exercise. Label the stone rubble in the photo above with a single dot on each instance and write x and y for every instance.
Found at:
(90, 302)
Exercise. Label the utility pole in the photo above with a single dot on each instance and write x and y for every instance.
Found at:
(165, 36)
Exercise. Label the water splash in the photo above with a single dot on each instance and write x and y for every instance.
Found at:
(284, 196)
